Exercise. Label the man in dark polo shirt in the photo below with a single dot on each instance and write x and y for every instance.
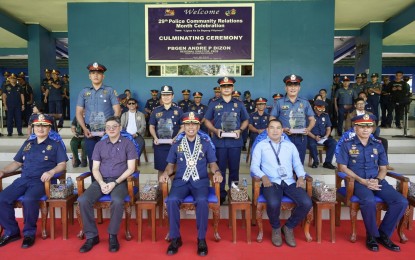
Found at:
(113, 161)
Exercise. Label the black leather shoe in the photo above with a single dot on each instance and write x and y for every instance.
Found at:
(315, 165)
(9, 134)
(371, 244)
(202, 248)
(20, 134)
(28, 241)
(329, 166)
(89, 244)
(174, 246)
(5, 239)
(387, 243)
(114, 246)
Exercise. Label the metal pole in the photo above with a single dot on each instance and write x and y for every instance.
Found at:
(1, 116)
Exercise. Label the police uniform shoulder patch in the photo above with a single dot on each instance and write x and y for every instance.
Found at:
(27, 147)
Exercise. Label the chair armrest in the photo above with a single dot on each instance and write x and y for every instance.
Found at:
(309, 185)
(80, 182)
(132, 181)
(404, 186)
(256, 188)
(8, 175)
(349, 188)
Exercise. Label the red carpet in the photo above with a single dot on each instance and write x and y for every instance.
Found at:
(343, 249)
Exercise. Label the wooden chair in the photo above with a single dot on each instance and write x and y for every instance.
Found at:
(43, 205)
(320, 149)
(105, 202)
(145, 156)
(345, 195)
(188, 204)
(259, 204)
(410, 217)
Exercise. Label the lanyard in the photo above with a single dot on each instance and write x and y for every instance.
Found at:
(276, 153)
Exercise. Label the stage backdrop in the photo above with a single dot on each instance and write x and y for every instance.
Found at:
(200, 32)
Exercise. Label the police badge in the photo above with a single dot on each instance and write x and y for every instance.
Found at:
(49, 147)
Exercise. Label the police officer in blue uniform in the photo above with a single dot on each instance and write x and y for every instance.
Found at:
(295, 113)
(39, 159)
(364, 159)
(258, 121)
(46, 84)
(358, 86)
(373, 91)
(99, 102)
(343, 103)
(192, 154)
(53, 96)
(216, 90)
(13, 100)
(250, 108)
(385, 104)
(186, 102)
(151, 103)
(28, 96)
(321, 131)
(227, 115)
(199, 108)
(164, 124)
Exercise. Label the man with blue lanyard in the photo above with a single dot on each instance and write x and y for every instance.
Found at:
(39, 159)
(227, 118)
(98, 102)
(273, 160)
(364, 159)
(164, 124)
(295, 113)
(192, 154)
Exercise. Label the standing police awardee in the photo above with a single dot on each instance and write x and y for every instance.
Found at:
(164, 126)
(192, 154)
(13, 101)
(364, 159)
(99, 102)
(294, 113)
(39, 159)
(227, 118)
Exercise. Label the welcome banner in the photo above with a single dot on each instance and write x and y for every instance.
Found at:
(200, 33)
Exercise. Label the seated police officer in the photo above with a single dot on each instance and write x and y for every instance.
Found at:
(39, 159)
(320, 135)
(273, 160)
(192, 154)
(364, 159)
(113, 161)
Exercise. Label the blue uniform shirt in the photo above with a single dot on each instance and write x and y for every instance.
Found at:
(345, 96)
(322, 122)
(250, 106)
(358, 88)
(38, 158)
(264, 161)
(174, 113)
(259, 122)
(362, 160)
(283, 108)
(185, 104)
(55, 94)
(215, 111)
(100, 100)
(206, 155)
(152, 103)
(13, 95)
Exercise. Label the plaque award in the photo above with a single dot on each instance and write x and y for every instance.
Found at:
(297, 121)
(165, 131)
(229, 124)
(97, 123)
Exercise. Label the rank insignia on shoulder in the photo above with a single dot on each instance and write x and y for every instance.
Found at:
(49, 147)
(27, 147)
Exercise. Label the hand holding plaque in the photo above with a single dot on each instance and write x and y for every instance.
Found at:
(229, 124)
(165, 131)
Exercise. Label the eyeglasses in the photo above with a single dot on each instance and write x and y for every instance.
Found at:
(111, 127)
(131, 103)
